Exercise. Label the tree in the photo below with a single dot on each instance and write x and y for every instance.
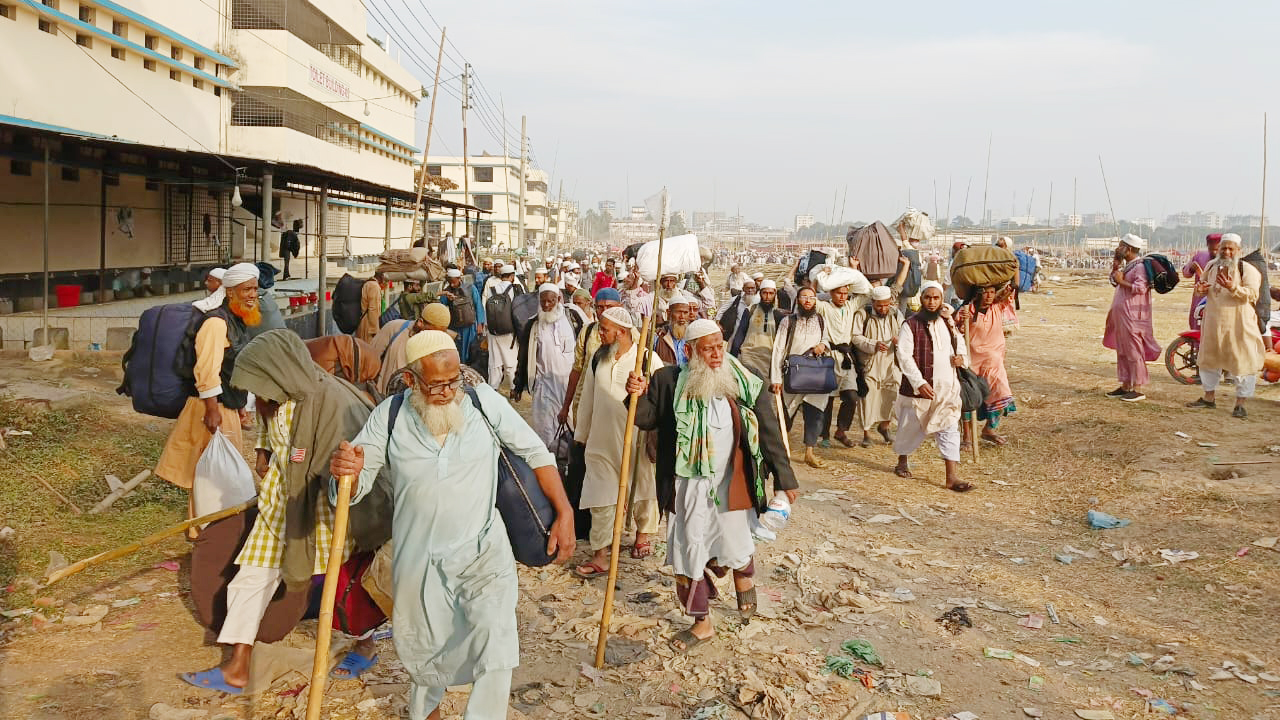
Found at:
(675, 226)
(596, 225)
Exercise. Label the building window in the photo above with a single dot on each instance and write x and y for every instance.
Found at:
(117, 53)
(197, 83)
(484, 202)
(175, 52)
(217, 91)
(149, 41)
(120, 29)
(51, 3)
(435, 170)
(149, 65)
(8, 11)
(199, 63)
(484, 174)
(47, 26)
(175, 75)
(111, 178)
(151, 185)
(84, 40)
(71, 174)
(86, 14)
(19, 167)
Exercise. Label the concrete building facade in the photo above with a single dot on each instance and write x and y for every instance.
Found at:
(492, 183)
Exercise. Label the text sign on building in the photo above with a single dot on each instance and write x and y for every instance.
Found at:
(322, 79)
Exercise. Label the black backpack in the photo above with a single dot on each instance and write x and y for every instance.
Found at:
(157, 366)
(498, 315)
(462, 309)
(346, 303)
(1160, 272)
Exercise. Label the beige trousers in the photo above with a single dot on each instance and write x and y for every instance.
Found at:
(644, 514)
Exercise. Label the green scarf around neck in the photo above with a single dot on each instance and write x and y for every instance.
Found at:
(695, 454)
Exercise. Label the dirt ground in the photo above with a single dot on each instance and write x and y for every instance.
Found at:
(866, 556)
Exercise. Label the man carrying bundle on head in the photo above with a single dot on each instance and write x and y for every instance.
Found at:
(718, 439)
(875, 338)
(547, 344)
(601, 428)
(455, 575)
(307, 413)
(929, 351)
(984, 317)
(217, 405)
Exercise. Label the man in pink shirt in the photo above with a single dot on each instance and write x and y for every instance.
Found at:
(1194, 268)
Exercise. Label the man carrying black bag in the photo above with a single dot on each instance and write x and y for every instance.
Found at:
(455, 591)
(290, 246)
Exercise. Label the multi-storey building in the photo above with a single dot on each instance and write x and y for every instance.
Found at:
(492, 183)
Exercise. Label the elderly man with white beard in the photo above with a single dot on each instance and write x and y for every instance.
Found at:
(547, 344)
(455, 590)
(718, 439)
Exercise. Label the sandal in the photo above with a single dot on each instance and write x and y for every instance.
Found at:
(353, 666)
(687, 641)
(866, 442)
(997, 440)
(884, 433)
(589, 570)
(960, 487)
(642, 550)
(903, 473)
(211, 679)
(747, 602)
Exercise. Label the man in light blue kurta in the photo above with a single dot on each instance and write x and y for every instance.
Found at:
(453, 571)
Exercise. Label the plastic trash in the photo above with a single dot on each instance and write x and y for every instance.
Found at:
(759, 532)
(1099, 520)
(223, 479)
(775, 518)
(997, 653)
(862, 650)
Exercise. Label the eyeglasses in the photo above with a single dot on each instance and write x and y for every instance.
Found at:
(439, 388)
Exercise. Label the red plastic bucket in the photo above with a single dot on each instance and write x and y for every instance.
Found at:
(68, 295)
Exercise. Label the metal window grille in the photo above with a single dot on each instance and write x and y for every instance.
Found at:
(196, 229)
(280, 107)
(337, 230)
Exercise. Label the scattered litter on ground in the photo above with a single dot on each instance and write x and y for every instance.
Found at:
(885, 519)
(862, 650)
(955, 620)
(997, 653)
(1032, 712)
(1034, 621)
(1173, 557)
(1095, 715)
(1064, 558)
(1052, 612)
(170, 565)
(1099, 520)
(1266, 542)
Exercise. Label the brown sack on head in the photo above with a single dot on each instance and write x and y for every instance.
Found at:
(981, 266)
(876, 250)
(345, 357)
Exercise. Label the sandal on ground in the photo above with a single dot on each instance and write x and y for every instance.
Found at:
(843, 439)
(994, 439)
(589, 570)
(642, 550)
(866, 442)
(685, 640)
(211, 679)
(1202, 403)
(1239, 412)
(884, 433)
(353, 666)
(747, 602)
(903, 473)
(960, 487)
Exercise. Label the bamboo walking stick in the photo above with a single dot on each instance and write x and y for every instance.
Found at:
(324, 626)
(973, 420)
(786, 432)
(151, 539)
(619, 515)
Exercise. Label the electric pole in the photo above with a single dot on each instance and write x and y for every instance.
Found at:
(466, 171)
(524, 155)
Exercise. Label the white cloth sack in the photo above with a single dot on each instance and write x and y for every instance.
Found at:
(680, 254)
(919, 226)
(830, 276)
(223, 479)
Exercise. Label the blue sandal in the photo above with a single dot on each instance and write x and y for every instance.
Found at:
(211, 680)
(355, 665)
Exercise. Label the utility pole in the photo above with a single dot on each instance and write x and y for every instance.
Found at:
(426, 150)
(466, 171)
(524, 155)
(560, 217)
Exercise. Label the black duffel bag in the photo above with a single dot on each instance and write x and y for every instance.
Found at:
(809, 375)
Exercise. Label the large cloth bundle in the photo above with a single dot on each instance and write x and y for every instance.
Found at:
(876, 250)
(1263, 305)
(980, 266)
(829, 277)
(410, 264)
(914, 225)
(152, 377)
(680, 255)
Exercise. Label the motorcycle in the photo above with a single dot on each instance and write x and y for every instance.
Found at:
(1180, 355)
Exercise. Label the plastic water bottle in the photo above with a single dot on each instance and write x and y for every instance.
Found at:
(779, 512)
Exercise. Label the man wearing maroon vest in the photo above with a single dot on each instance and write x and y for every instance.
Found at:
(929, 351)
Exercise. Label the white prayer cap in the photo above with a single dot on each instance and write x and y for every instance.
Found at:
(506, 269)
(1231, 238)
(758, 276)
(1138, 243)
(217, 272)
(700, 328)
(427, 342)
(619, 316)
(549, 287)
(453, 273)
(881, 292)
(239, 274)
(768, 285)
(928, 284)
(623, 275)
(679, 298)
(574, 266)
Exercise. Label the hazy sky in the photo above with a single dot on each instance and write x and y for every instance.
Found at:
(774, 107)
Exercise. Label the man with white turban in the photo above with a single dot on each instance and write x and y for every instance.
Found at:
(802, 333)
(929, 350)
(213, 284)
(719, 437)
(875, 339)
(1129, 330)
(547, 344)
(837, 318)
(601, 428)
(216, 405)
(456, 588)
(1230, 341)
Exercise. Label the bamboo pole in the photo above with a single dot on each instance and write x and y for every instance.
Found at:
(619, 515)
(1262, 220)
(973, 420)
(54, 490)
(426, 147)
(324, 627)
(151, 539)
(782, 421)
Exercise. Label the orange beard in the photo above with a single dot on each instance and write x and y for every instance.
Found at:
(252, 317)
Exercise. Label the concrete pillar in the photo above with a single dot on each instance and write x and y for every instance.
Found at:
(267, 212)
(321, 245)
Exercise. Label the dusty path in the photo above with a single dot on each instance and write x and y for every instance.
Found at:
(839, 572)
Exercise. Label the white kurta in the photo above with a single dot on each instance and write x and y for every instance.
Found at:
(838, 322)
(453, 571)
(880, 369)
(808, 333)
(943, 411)
(553, 346)
(504, 351)
(702, 527)
(602, 424)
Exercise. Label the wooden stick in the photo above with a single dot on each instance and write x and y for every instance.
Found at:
(324, 627)
(782, 421)
(973, 421)
(60, 496)
(120, 492)
(619, 514)
(426, 148)
(151, 539)
(1247, 462)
